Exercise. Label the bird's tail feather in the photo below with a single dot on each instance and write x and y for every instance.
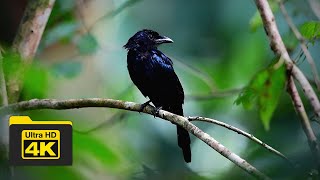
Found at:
(184, 143)
(183, 135)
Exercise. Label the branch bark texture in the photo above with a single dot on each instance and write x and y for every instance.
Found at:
(4, 128)
(305, 122)
(241, 132)
(315, 6)
(27, 39)
(303, 44)
(131, 106)
(280, 50)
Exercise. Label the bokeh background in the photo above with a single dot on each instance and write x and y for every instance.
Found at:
(219, 46)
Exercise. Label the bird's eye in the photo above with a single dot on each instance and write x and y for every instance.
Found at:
(150, 36)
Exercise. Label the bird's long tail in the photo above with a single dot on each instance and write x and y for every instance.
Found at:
(183, 135)
(184, 143)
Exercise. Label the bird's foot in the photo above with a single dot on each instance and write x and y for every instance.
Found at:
(156, 112)
(144, 105)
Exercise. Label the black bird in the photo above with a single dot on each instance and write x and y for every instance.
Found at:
(152, 72)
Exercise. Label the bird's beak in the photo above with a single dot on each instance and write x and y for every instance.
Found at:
(163, 39)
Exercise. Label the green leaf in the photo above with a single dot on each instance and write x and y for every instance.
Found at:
(87, 44)
(246, 98)
(35, 77)
(310, 30)
(255, 22)
(63, 31)
(67, 69)
(11, 64)
(35, 83)
(264, 91)
(270, 94)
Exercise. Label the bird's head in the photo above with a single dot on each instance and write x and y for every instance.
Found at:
(145, 40)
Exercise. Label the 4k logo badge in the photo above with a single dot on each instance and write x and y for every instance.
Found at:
(40, 142)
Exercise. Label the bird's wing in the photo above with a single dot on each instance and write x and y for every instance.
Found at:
(154, 76)
(165, 78)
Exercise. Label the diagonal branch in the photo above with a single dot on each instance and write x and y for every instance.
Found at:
(315, 7)
(3, 89)
(131, 106)
(27, 40)
(4, 129)
(305, 122)
(241, 132)
(302, 44)
(279, 49)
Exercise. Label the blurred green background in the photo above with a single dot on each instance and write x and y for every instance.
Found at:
(220, 46)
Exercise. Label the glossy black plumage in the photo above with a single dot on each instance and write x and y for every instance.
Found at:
(152, 72)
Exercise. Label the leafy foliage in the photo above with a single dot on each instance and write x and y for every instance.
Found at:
(264, 90)
(36, 82)
(35, 79)
(310, 30)
(246, 98)
(255, 22)
(11, 63)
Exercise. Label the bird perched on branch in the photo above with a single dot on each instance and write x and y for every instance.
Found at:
(152, 72)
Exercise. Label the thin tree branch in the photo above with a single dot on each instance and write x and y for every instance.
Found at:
(279, 49)
(303, 44)
(25, 44)
(31, 27)
(131, 106)
(305, 122)
(4, 128)
(315, 6)
(3, 89)
(241, 132)
(27, 40)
